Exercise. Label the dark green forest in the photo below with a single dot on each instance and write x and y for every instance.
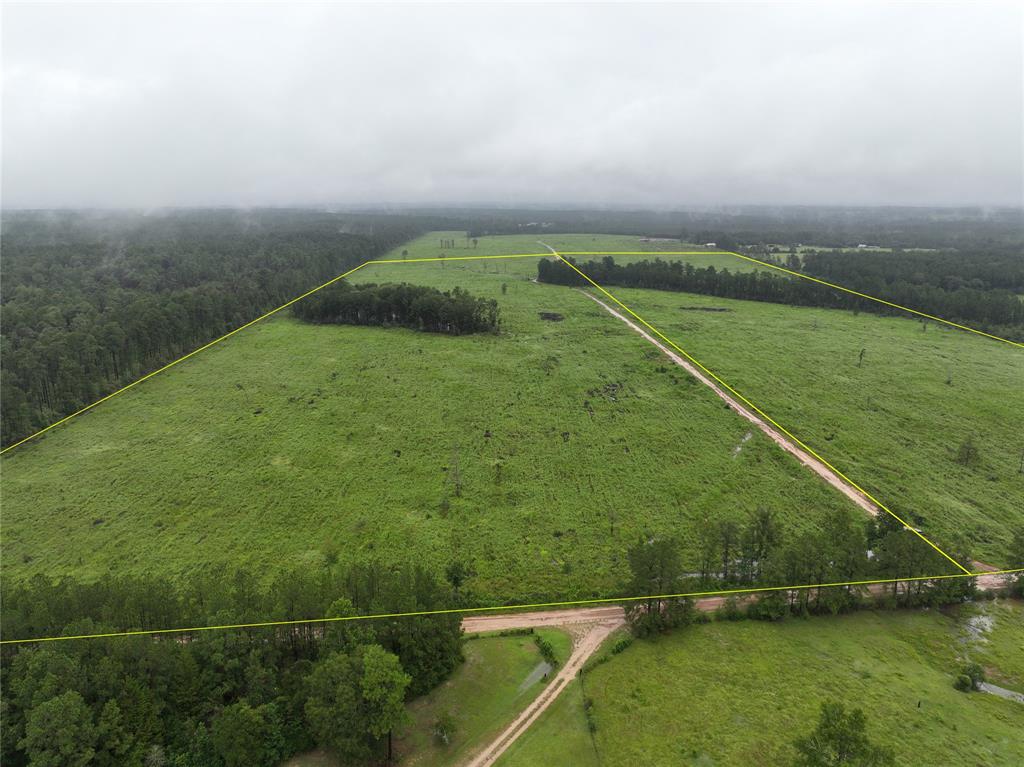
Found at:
(92, 301)
(244, 697)
(455, 312)
(730, 227)
(959, 295)
(253, 696)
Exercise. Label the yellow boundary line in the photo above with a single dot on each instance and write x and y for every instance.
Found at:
(507, 608)
(794, 274)
(609, 600)
(760, 412)
(216, 341)
(484, 258)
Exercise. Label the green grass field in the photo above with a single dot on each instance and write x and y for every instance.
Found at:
(561, 736)
(738, 694)
(539, 455)
(993, 636)
(498, 680)
(892, 423)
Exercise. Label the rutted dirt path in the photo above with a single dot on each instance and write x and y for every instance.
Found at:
(984, 582)
(774, 434)
(589, 627)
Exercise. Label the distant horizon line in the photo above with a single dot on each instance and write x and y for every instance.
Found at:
(499, 206)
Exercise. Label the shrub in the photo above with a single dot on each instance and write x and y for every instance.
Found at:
(967, 454)
(963, 683)
(975, 673)
(515, 632)
(444, 728)
(730, 610)
(621, 644)
(546, 650)
(588, 711)
(771, 607)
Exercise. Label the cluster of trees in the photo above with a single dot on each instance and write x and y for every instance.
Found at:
(754, 552)
(994, 310)
(841, 739)
(680, 276)
(450, 243)
(219, 698)
(92, 301)
(456, 312)
(988, 267)
(981, 287)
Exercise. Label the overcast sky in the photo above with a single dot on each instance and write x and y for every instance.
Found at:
(667, 105)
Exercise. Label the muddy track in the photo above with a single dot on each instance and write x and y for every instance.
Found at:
(774, 434)
(832, 478)
(591, 626)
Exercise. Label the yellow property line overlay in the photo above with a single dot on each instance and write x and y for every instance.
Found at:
(471, 610)
(507, 608)
(216, 341)
(123, 389)
(688, 356)
(530, 255)
(794, 274)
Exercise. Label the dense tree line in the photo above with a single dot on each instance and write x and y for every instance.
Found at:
(753, 552)
(91, 302)
(831, 227)
(990, 268)
(456, 312)
(206, 699)
(991, 310)
(982, 286)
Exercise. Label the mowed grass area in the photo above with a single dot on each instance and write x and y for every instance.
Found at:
(893, 422)
(500, 677)
(739, 693)
(561, 736)
(537, 456)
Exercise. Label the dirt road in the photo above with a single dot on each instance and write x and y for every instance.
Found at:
(774, 434)
(590, 627)
(473, 624)
(984, 582)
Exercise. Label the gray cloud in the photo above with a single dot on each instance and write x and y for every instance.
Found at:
(667, 105)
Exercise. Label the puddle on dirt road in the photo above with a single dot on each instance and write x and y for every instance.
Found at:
(1002, 692)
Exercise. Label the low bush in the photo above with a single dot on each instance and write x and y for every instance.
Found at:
(621, 644)
(547, 651)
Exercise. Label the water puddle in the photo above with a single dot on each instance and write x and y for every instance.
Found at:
(736, 450)
(1002, 692)
(540, 672)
